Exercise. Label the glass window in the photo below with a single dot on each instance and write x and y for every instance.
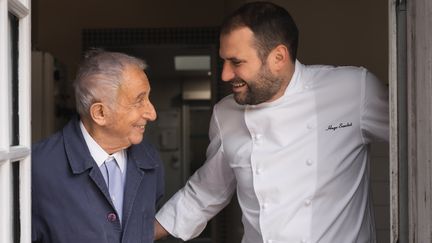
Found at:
(13, 77)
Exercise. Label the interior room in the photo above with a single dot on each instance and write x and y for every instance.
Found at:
(179, 41)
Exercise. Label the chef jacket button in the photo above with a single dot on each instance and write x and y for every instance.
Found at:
(258, 171)
(309, 162)
(264, 206)
(308, 202)
(111, 217)
(257, 138)
(309, 126)
(303, 241)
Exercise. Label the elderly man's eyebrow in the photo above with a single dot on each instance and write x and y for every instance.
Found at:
(142, 96)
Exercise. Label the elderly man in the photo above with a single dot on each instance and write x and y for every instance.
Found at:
(97, 180)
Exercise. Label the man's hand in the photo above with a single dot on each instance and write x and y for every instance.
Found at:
(159, 231)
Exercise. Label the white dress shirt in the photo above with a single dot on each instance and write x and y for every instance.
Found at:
(100, 155)
(299, 163)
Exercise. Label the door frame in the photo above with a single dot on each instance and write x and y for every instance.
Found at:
(410, 73)
(15, 162)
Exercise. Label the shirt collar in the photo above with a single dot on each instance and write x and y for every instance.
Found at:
(295, 82)
(99, 154)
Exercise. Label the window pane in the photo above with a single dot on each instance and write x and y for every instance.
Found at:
(16, 202)
(13, 78)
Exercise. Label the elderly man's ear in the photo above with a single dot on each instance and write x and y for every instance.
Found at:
(98, 113)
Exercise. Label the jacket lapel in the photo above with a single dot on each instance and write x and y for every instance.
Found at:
(139, 161)
(79, 157)
(96, 176)
(133, 180)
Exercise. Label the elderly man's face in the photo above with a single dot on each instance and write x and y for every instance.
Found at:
(132, 109)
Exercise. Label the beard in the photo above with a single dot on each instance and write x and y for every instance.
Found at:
(262, 89)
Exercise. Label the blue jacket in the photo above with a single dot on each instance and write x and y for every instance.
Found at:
(70, 200)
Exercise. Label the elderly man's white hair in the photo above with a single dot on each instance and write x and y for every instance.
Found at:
(100, 76)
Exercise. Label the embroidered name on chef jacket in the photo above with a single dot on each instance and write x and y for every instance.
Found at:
(341, 125)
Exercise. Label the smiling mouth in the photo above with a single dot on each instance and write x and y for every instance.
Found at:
(238, 84)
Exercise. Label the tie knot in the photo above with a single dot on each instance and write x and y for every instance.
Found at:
(110, 158)
(111, 163)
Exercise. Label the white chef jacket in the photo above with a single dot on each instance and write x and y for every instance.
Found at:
(299, 163)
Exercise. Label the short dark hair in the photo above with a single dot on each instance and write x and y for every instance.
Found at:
(271, 24)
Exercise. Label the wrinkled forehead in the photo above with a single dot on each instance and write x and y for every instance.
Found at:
(134, 82)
